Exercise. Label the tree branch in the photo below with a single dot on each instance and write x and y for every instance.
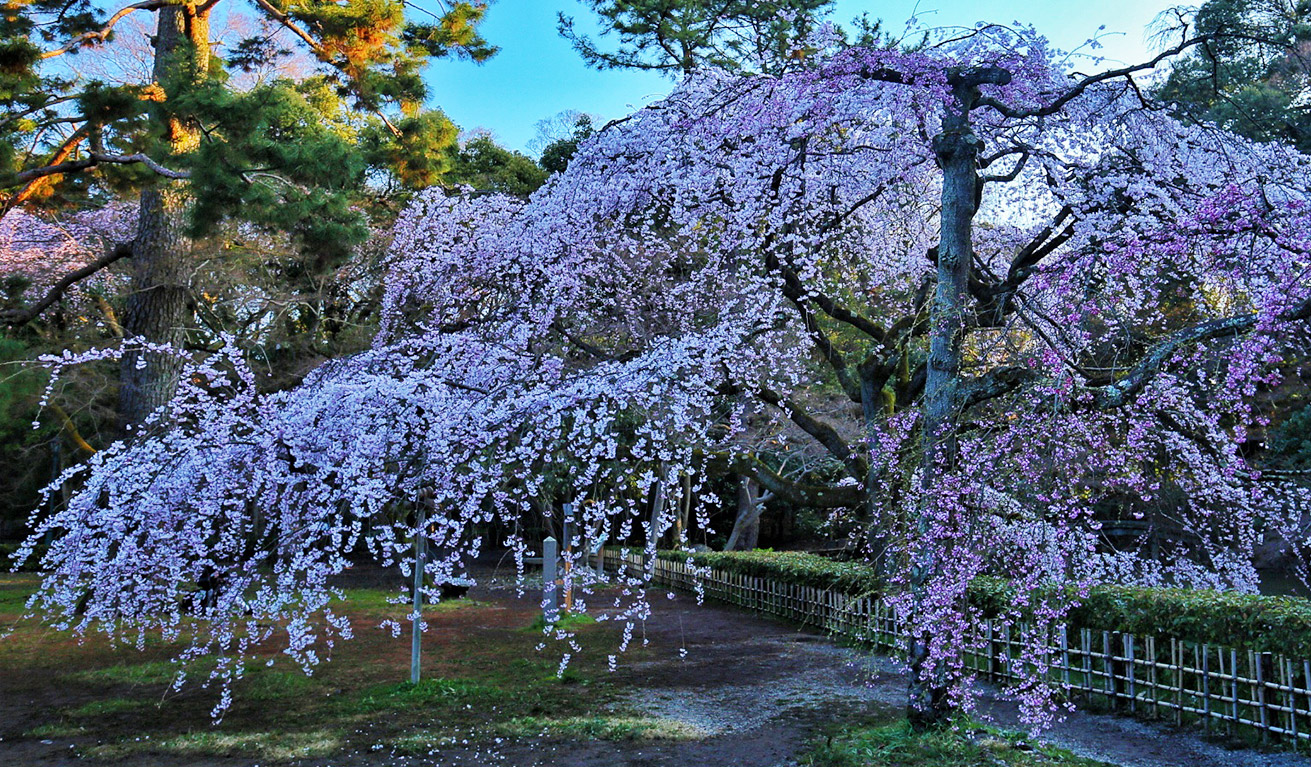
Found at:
(100, 35)
(23, 316)
(1088, 82)
(92, 160)
(826, 435)
(820, 496)
(1113, 395)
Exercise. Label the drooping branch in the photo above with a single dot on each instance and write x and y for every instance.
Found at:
(56, 291)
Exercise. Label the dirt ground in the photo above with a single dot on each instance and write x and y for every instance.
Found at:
(744, 691)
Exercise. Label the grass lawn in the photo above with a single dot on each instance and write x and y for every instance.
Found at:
(485, 682)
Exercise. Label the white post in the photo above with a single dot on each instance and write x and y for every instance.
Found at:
(420, 558)
(570, 553)
(550, 592)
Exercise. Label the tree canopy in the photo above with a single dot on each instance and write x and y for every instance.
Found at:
(1032, 295)
(1252, 77)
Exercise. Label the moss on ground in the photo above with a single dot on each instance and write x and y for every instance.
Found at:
(895, 744)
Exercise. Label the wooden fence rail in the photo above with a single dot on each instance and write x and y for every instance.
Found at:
(1190, 682)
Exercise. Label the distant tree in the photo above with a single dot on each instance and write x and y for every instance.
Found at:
(1254, 76)
(485, 165)
(557, 154)
(677, 37)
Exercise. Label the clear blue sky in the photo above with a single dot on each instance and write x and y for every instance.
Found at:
(537, 74)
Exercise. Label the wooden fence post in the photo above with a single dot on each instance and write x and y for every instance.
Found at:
(550, 588)
(420, 559)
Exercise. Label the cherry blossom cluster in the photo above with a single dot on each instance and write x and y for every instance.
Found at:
(35, 251)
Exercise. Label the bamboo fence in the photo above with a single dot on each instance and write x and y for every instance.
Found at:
(1238, 691)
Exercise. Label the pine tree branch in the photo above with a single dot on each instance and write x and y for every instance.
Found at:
(90, 161)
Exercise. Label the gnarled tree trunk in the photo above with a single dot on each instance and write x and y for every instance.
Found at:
(957, 150)
(746, 527)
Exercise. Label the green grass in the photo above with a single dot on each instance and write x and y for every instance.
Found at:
(145, 673)
(389, 601)
(109, 706)
(967, 745)
(274, 746)
(432, 695)
(567, 622)
(605, 727)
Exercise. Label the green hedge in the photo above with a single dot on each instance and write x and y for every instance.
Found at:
(1242, 621)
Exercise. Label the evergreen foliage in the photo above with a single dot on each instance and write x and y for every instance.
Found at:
(1252, 78)
(684, 35)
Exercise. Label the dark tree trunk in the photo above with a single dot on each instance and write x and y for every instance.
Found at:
(957, 150)
(159, 306)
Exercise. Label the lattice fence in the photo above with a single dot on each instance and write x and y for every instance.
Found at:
(1265, 693)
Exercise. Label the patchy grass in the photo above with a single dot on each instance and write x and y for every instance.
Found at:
(433, 694)
(157, 672)
(55, 730)
(275, 746)
(483, 679)
(608, 727)
(567, 622)
(109, 707)
(894, 744)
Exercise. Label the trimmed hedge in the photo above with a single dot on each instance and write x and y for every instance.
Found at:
(1243, 621)
(791, 566)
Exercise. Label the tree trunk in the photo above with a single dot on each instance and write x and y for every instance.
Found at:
(883, 531)
(746, 528)
(957, 151)
(159, 306)
(656, 522)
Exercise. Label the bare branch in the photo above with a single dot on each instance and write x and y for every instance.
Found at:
(102, 34)
(90, 161)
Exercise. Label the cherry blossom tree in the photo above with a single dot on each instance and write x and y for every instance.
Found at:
(1035, 296)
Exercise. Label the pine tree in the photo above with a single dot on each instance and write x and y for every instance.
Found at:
(296, 157)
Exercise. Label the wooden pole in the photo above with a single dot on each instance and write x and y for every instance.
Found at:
(420, 557)
(569, 533)
(550, 584)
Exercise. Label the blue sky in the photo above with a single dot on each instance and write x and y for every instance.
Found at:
(537, 74)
